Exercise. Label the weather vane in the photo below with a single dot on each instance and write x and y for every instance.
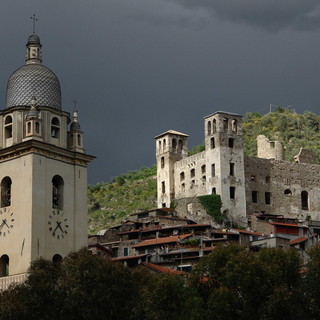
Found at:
(34, 22)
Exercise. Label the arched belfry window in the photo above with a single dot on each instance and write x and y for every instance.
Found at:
(225, 124)
(6, 192)
(304, 200)
(8, 127)
(209, 128)
(55, 128)
(174, 144)
(234, 125)
(57, 258)
(214, 126)
(57, 192)
(79, 139)
(4, 266)
(180, 145)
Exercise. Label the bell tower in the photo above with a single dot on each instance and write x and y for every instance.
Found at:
(43, 174)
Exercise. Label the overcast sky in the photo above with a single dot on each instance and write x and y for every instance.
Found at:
(141, 67)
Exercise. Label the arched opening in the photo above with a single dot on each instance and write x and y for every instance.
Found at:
(8, 127)
(225, 124)
(55, 128)
(37, 127)
(4, 266)
(203, 169)
(162, 162)
(212, 143)
(164, 144)
(304, 200)
(159, 145)
(6, 192)
(163, 187)
(181, 176)
(79, 139)
(192, 173)
(213, 170)
(214, 126)
(209, 128)
(29, 127)
(57, 192)
(180, 145)
(56, 258)
(234, 125)
(288, 192)
(174, 144)
(231, 142)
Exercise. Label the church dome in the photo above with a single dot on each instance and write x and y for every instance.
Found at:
(33, 80)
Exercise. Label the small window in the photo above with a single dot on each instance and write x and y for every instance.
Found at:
(254, 196)
(174, 144)
(180, 145)
(6, 192)
(288, 192)
(304, 200)
(213, 191)
(214, 126)
(231, 142)
(4, 266)
(192, 173)
(213, 170)
(37, 125)
(79, 139)
(234, 125)
(56, 258)
(57, 192)
(225, 124)
(203, 169)
(182, 176)
(209, 128)
(272, 145)
(162, 162)
(125, 252)
(204, 178)
(267, 197)
(29, 127)
(164, 144)
(159, 145)
(8, 127)
(212, 143)
(232, 192)
(163, 187)
(231, 169)
(193, 182)
(267, 179)
(183, 186)
(55, 128)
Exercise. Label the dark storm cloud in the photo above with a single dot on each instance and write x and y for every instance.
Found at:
(272, 15)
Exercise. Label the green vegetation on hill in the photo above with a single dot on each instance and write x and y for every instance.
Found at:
(111, 202)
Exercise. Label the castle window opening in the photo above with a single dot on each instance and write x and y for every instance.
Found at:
(162, 162)
(234, 125)
(180, 144)
(6, 192)
(288, 192)
(209, 128)
(231, 142)
(183, 186)
(4, 266)
(231, 169)
(212, 143)
(204, 178)
(164, 144)
(232, 192)
(214, 126)
(192, 173)
(79, 139)
(304, 200)
(267, 197)
(225, 124)
(163, 187)
(174, 144)
(57, 192)
(213, 170)
(254, 196)
(29, 127)
(37, 125)
(182, 176)
(164, 205)
(159, 145)
(193, 182)
(268, 179)
(272, 145)
(203, 169)
(56, 258)
(213, 191)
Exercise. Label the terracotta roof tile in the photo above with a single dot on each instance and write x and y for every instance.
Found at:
(164, 240)
(161, 269)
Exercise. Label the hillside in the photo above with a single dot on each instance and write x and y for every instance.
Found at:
(111, 202)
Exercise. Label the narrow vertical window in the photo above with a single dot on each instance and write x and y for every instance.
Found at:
(162, 162)
(254, 196)
(4, 266)
(55, 128)
(203, 169)
(57, 192)
(163, 187)
(213, 191)
(6, 192)
(232, 192)
(231, 142)
(234, 125)
(212, 143)
(214, 126)
(213, 170)
(225, 124)
(209, 128)
(231, 169)
(79, 139)
(304, 200)
(8, 127)
(267, 196)
(180, 145)
(192, 173)
(174, 144)
(181, 176)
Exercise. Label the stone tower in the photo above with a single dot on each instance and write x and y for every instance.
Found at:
(171, 146)
(43, 170)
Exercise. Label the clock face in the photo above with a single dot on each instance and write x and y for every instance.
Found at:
(58, 224)
(6, 222)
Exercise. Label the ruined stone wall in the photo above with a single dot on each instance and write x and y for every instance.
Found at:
(280, 187)
(269, 149)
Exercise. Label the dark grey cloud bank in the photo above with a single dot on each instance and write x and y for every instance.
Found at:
(272, 15)
(140, 67)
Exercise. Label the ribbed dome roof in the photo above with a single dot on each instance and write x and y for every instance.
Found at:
(75, 126)
(33, 80)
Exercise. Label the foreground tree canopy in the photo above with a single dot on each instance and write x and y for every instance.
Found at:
(230, 283)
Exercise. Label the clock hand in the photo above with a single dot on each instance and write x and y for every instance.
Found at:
(54, 231)
(59, 225)
(5, 222)
(1, 225)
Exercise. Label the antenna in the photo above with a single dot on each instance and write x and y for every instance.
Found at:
(34, 22)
